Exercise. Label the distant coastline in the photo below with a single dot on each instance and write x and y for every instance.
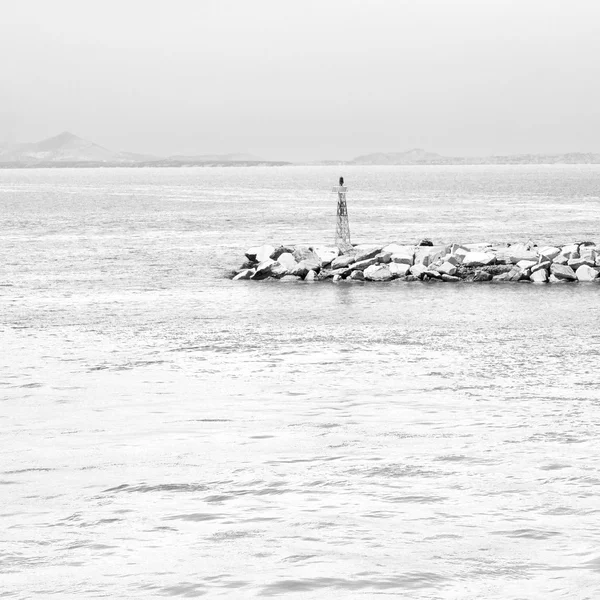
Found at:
(67, 150)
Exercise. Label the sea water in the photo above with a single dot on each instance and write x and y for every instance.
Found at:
(166, 432)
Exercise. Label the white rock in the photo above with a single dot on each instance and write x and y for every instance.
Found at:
(478, 259)
(418, 270)
(539, 276)
(357, 275)
(377, 273)
(402, 258)
(398, 269)
(586, 273)
(336, 277)
(326, 254)
(526, 264)
(549, 252)
(287, 260)
(447, 268)
(310, 276)
(428, 254)
(304, 253)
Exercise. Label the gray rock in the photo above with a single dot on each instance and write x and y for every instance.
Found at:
(263, 270)
(282, 250)
(344, 260)
(561, 259)
(447, 268)
(337, 277)
(377, 273)
(563, 272)
(302, 253)
(541, 265)
(245, 274)
(586, 273)
(482, 276)
(361, 265)
(449, 278)
(384, 257)
(278, 270)
(357, 276)
(304, 266)
(365, 253)
(575, 263)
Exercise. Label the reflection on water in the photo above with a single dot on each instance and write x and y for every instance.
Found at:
(168, 433)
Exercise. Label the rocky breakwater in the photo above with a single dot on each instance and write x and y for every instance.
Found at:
(578, 261)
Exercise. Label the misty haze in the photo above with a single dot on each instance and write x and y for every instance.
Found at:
(300, 299)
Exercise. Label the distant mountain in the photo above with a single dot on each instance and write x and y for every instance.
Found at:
(220, 158)
(66, 147)
(418, 156)
(411, 157)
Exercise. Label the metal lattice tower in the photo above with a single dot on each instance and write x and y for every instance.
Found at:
(342, 229)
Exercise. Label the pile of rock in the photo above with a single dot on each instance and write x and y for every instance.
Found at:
(455, 262)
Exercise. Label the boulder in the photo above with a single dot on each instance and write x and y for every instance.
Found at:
(398, 249)
(561, 259)
(244, 274)
(569, 250)
(260, 253)
(403, 258)
(418, 270)
(425, 242)
(337, 277)
(575, 263)
(363, 264)
(357, 276)
(302, 253)
(549, 252)
(515, 274)
(366, 252)
(563, 272)
(326, 254)
(478, 259)
(287, 260)
(310, 276)
(428, 254)
(282, 250)
(377, 273)
(539, 276)
(447, 268)
(398, 269)
(384, 257)
(541, 265)
(411, 278)
(449, 278)
(516, 255)
(482, 276)
(527, 264)
(497, 269)
(342, 261)
(586, 273)
(304, 266)
(263, 270)
(501, 277)
(278, 270)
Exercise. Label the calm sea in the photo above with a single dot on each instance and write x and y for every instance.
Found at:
(165, 432)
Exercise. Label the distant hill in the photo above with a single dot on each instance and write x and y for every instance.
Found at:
(411, 157)
(418, 156)
(65, 147)
(220, 158)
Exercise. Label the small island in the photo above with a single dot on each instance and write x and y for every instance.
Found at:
(482, 262)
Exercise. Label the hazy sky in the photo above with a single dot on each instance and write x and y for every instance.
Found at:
(304, 79)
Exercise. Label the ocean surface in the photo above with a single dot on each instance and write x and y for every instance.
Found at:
(168, 433)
